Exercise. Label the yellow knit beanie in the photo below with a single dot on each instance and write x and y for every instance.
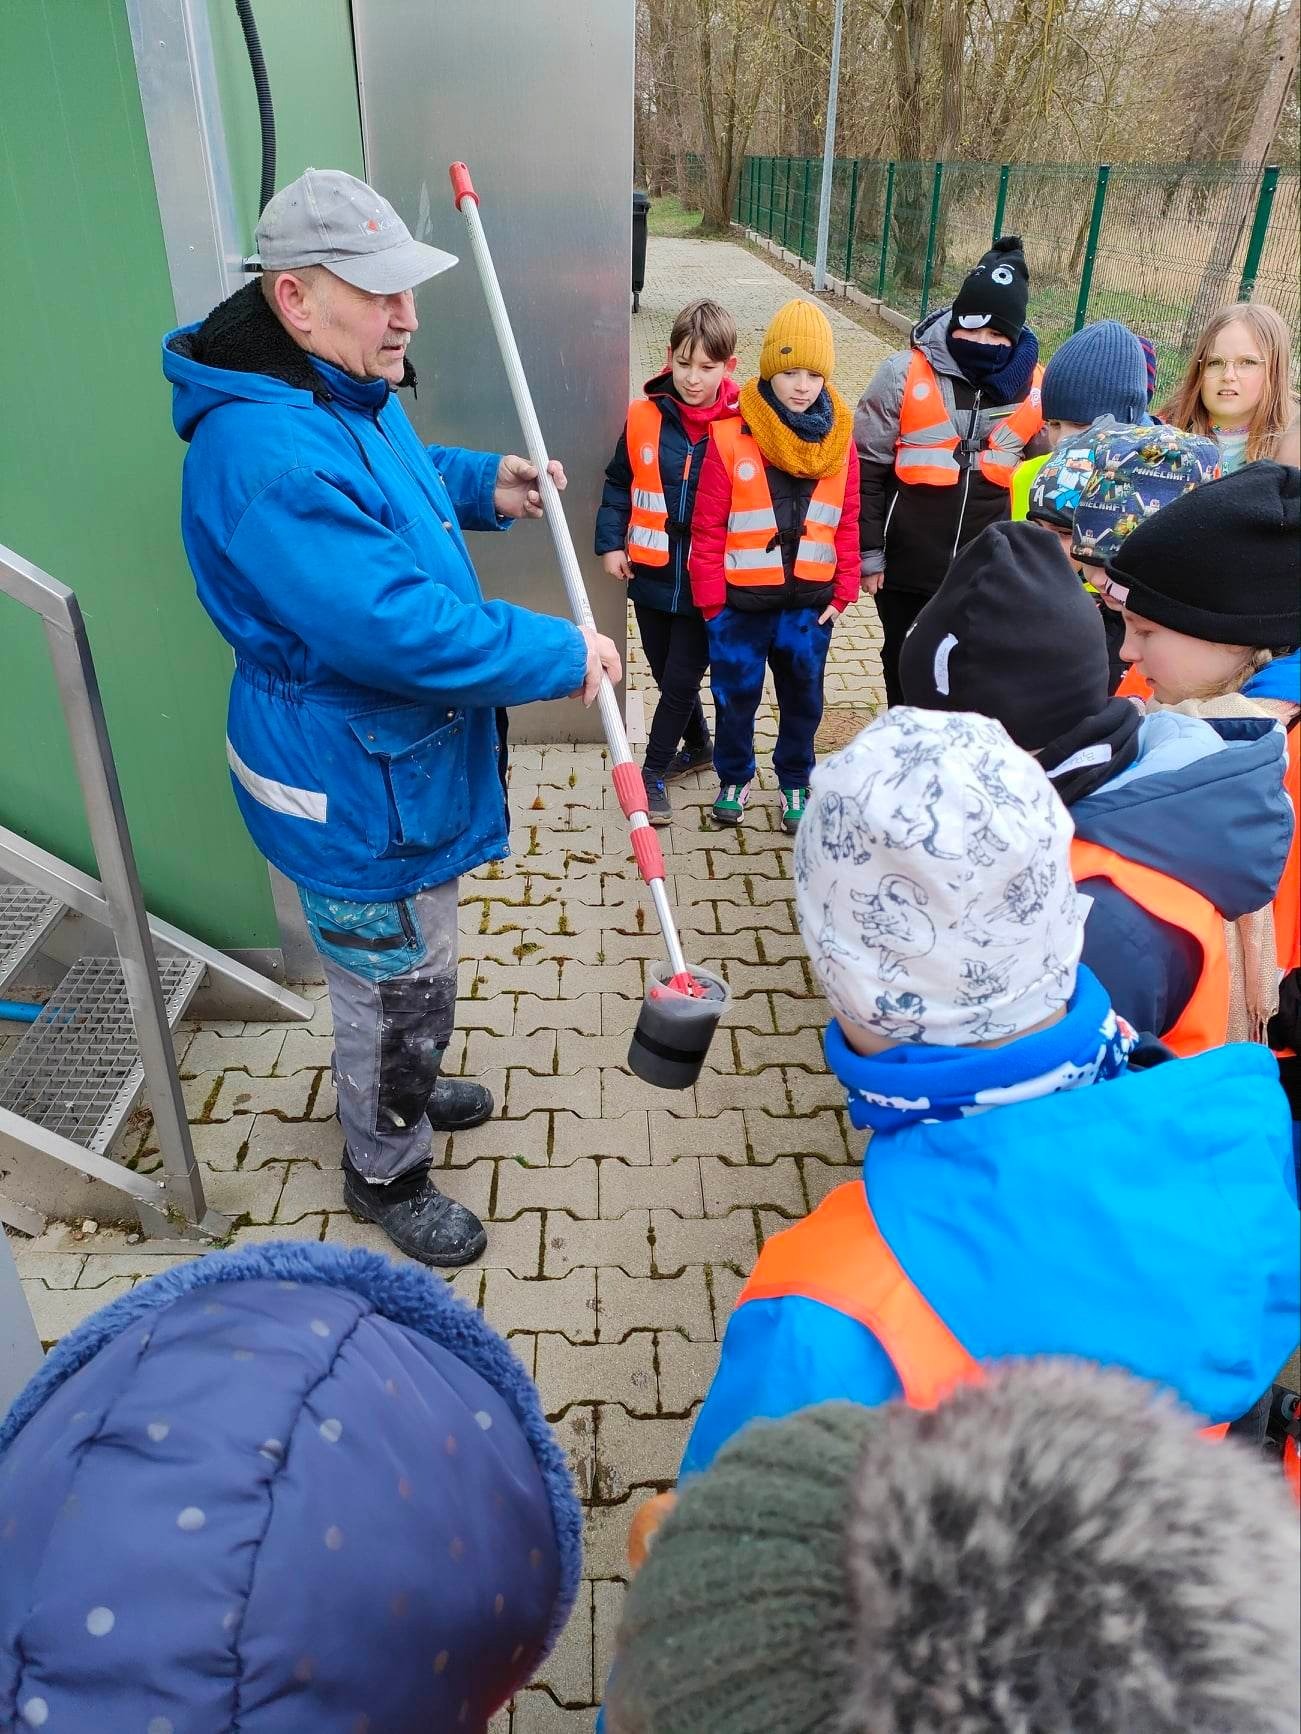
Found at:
(799, 336)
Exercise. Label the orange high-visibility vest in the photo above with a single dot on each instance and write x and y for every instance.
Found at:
(1204, 1021)
(648, 534)
(928, 440)
(1134, 685)
(839, 1257)
(751, 553)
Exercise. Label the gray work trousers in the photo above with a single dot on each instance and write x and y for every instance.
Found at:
(391, 972)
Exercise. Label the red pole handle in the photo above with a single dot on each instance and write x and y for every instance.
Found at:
(462, 185)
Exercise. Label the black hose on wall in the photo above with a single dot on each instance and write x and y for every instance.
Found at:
(266, 113)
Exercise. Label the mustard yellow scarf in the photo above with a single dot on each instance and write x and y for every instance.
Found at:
(786, 450)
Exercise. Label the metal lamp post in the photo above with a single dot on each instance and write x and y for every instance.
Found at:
(828, 155)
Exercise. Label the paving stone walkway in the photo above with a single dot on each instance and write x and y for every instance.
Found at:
(622, 1220)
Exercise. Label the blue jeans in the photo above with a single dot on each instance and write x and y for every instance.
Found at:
(741, 646)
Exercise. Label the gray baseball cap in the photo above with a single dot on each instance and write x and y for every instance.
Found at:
(330, 218)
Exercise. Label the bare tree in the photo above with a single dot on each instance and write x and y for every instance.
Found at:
(733, 40)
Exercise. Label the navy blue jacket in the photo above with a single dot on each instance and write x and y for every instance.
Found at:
(285, 1490)
(1204, 802)
(664, 588)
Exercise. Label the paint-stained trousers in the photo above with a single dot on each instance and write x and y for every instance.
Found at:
(391, 972)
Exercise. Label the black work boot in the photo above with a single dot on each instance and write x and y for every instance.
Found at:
(416, 1216)
(457, 1104)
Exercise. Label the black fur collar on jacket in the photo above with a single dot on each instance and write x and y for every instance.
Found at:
(243, 335)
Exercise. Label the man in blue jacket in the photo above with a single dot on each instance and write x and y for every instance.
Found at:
(327, 544)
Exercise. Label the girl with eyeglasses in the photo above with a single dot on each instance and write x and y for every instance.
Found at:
(1238, 388)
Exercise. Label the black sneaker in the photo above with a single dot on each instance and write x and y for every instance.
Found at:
(658, 806)
(457, 1104)
(690, 759)
(416, 1216)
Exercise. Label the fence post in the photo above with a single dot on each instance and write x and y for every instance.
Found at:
(1091, 247)
(804, 208)
(1259, 226)
(853, 219)
(1001, 204)
(786, 203)
(936, 190)
(885, 229)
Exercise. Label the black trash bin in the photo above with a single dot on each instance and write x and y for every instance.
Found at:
(640, 212)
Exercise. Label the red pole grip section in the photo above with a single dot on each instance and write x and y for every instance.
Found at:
(462, 185)
(649, 855)
(630, 788)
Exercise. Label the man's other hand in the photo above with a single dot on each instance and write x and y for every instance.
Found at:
(513, 496)
(602, 658)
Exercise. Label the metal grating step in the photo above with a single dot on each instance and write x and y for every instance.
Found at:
(27, 918)
(77, 1070)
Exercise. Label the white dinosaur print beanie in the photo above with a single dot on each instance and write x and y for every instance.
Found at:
(933, 882)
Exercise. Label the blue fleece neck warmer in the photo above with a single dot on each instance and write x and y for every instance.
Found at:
(810, 425)
(1000, 375)
(1280, 679)
(917, 1085)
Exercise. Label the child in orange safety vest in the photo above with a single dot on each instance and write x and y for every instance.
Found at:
(774, 555)
(940, 432)
(1213, 617)
(1038, 1180)
(1181, 822)
(643, 533)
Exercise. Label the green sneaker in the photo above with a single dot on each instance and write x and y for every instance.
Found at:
(794, 802)
(729, 807)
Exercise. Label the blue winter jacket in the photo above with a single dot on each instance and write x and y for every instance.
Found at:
(289, 1490)
(327, 545)
(1204, 802)
(1147, 1222)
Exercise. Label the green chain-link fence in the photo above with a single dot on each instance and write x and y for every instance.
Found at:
(1159, 246)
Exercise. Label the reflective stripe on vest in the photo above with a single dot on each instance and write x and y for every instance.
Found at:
(1204, 1021)
(1009, 437)
(839, 1257)
(648, 539)
(928, 439)
(751, 555)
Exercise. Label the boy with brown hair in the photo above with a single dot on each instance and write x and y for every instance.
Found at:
(643, 531)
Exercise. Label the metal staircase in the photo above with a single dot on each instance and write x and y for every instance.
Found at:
(104, 1035)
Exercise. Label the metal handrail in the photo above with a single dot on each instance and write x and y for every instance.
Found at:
(181, 1189)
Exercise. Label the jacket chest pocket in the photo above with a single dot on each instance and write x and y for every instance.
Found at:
(418, 753)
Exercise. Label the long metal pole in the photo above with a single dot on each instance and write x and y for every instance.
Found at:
(1091, 247)
(828, 154)
(1259, 228)
(937, 187)
(607, 703)
(885, 229)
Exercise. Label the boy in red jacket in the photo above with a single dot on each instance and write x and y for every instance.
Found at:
(774, 554)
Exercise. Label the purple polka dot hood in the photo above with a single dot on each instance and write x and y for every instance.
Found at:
(291, 1490)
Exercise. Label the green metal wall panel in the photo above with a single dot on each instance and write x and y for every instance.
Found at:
(89, 465)
(307, 45)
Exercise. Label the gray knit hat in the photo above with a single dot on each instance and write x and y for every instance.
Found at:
(1055, 1550)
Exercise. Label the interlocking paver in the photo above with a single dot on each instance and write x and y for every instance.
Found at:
(621, 1218)
(623, 1242)
(597, 1372)
(523, 1187)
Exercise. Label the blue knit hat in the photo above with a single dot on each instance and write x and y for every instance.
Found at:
(1099, 371)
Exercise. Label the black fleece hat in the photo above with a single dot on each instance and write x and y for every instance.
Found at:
(1222, 563)
(995, 291)
(1010, 633)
